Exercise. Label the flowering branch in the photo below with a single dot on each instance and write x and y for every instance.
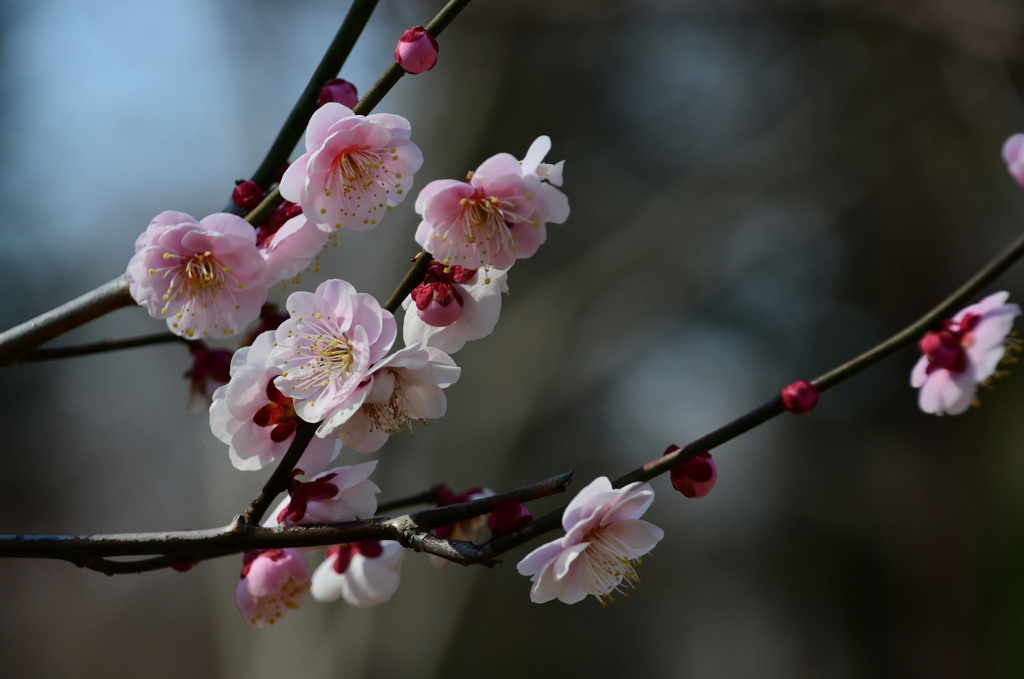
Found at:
(278, 481)
(776, 406)
(395, 72)
(330, 65)
(179, 547)
(23, 338)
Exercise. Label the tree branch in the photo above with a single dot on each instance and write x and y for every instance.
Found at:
(100, 347)
(181, 547)
(21, 339)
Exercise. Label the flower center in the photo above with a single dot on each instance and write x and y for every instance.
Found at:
(606, 562)
(355, 163)
(335, 354)
(203, 274)
(946, 349)
(198, 278)
(391, 416)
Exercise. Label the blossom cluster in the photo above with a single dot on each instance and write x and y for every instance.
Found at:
(330, 361)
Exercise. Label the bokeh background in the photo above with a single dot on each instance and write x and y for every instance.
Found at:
(760, 190)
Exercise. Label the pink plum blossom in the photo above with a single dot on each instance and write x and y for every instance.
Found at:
(205, 278)
(404, 387)
(1013, 155)
(416, 50)
(499, 216)
(327, 347)
(334, 496)
(272, 582)
(604, 538)
(354, 170)
(256, 420)
(292, 248)
(963, 354)
(362, 573)
(452, 306)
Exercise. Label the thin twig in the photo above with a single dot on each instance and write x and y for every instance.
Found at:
(329, 67)
(774, 406)
(278, 481)
(21, 339)
(100, 347)
(426, 497)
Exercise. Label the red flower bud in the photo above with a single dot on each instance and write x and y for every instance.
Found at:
(339, 91)
(247, 195)
(696, 477)
(800, 397)
(416, 51)
(508, 516)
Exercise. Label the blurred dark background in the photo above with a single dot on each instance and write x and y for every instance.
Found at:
(760, 190)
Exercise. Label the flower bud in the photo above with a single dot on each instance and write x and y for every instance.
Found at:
(508, 516)
(416, 51)
(339, 91)
(696, 477)
(799, 397)
(210, 369)
(247, 195)
(1013, 155)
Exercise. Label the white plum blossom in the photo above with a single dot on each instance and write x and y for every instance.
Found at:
(499, 216)
(327, 347)
(532, 162)
(354, 170)
(256, 420)
(604, 537)
(205, 278)
(362, 573)
(404, 387)
(334, 496)
(272, 582)
(452, 306)
(962, 355)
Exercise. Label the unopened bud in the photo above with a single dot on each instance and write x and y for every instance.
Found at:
(247, 195)
(340, 91)
(508, 517)
(799, 397)
(696, 477)
(416, 51)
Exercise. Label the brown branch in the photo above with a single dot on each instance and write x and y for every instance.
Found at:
(176, 548)
(21, 339)
(100, 347)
